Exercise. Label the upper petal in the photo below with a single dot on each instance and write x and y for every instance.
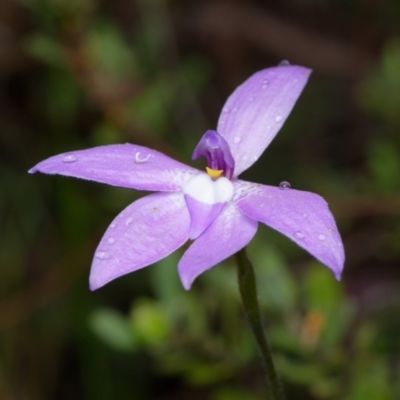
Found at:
(229, 233)
(256, 110)
(146, 231)
(303, 217)
(125, 165)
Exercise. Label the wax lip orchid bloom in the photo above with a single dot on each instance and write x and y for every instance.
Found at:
(215, 209)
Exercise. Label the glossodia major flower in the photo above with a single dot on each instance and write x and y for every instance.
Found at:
(214, 208)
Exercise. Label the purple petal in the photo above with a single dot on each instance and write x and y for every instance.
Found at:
(230, 232)
(257, 109)
(205, 199)
(201, 215)
(145, 232)
(303, 217)
(125, 165)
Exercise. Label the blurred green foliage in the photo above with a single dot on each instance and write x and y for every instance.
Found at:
(76, 74)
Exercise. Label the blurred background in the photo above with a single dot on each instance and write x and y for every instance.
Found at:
(80, 73)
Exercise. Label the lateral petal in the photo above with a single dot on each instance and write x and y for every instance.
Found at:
(124, 165)
(303, 217)
(257, 109)
(146, 231)
(229, 233)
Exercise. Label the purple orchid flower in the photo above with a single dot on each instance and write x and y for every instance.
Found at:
(215, 209)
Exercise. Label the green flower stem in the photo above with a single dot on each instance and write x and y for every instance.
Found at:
(248, 291)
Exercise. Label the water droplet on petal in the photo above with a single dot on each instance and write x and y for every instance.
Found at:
(225, 110)
(321, 237)
(285, 185)
(102, 255)
(237, 139)
(111, 240)
(69, 158)
(283, 63)
(299, 235)
(139, 159)
(128, 221)
(278, 118)
(112, 226)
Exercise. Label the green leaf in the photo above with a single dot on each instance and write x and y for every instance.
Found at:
(277, 289)
(234, 393)
(113, 329)
(384, 165)
(108, 50)
(380, 92)
(298, 372)
(149, 321)
(328, 312)
(45, 49)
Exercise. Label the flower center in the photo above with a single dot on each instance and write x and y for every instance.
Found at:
(218, 154)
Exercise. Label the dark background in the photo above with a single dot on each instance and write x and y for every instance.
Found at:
(79, 73)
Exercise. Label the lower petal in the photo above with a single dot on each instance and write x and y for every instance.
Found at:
(303, 217)
(146, 231)
(229, 233)
(205, 199)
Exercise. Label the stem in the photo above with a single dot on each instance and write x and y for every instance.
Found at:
(248, 291)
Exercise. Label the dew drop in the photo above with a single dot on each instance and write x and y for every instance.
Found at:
(283, 63)
(278, 118)
(69, 158)
(299, 235)
(128, 221)
(237, 139)
(111, 240)
(285, 185)
(139, 159)
(321, 237)
(102, 255)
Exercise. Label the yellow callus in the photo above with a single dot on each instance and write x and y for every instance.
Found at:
(214, 173)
